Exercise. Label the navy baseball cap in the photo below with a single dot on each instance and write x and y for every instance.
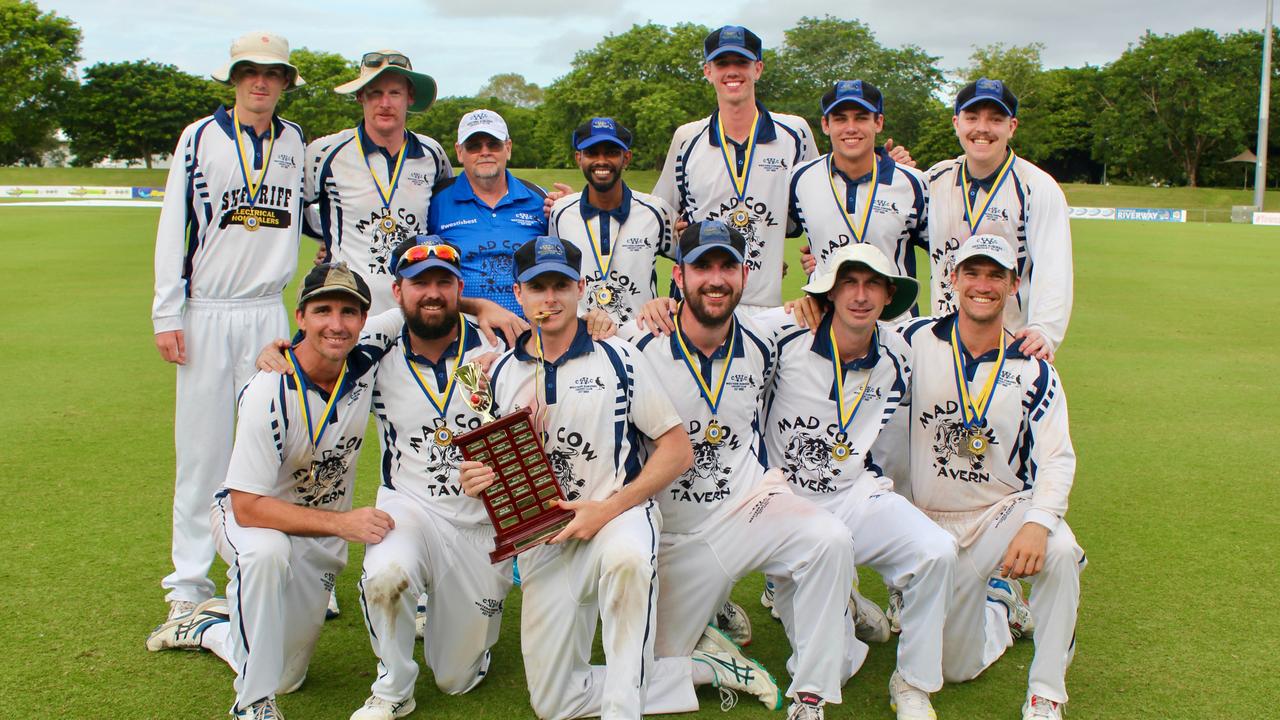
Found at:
(700, 237)
(545, 254)
(732, 39)
(420, 253)
(987, 90)
(599, 130)
(858, 92)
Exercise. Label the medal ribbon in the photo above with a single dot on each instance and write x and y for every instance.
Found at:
(604, 262)
(847, 418)
(443, 404)
(969, 216)
(385, 194)
(861, 231)
(246, 163)
(313, 433)
(710, 397)
(975, 412)
(739, 180)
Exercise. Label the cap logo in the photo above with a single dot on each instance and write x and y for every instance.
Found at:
(990, 87)
(602, 124)
(550, 249)
(714, 232)
(845, 88)
(733, 35)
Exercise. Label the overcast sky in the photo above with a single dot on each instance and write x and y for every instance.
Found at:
(464, 42)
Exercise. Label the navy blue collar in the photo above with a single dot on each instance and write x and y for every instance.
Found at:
(473, 341)
(357, 365)
(822, 346)
(765, 132)
(582, 344)
(412, 147)
(516, 191)
(223, 117)
(620, 213)
(885, 167)
(1012, 351)
(720, 352)
(987, 182)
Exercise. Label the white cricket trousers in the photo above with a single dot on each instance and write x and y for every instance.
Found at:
(427, 553)
(565, 587)
(975, 638)
(785, 536)
(277, 590)
(909, 551)
(223, 338)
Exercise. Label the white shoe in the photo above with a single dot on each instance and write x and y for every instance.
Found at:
(893, 613)
(375, 708)
(332, 610)
(869, 622)
(264, 709)
(734, 671)
(1038, 708)
(805, 711)
(184, 630)
(909, 701)
(180, 608)
(766, 599)
(420, 621)
(1008, 593)
(732, 620)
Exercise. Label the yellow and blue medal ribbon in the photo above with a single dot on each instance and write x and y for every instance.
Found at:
(974, 410)
(441, 405)
(314, 433)
(739, 180)
(711, 397)
(253, 186)
(974, 220)
(603, 261)
(385, 192)
(861, 231)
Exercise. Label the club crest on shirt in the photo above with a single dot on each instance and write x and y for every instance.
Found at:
(950, 459)
(809, 465)
(773, 164)
(442, 460)
(321, 483)
(751, 224)
(707, 470)
(285, 161)
(383, 241)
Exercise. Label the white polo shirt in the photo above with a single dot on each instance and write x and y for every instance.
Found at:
(697, 184)
(1026, 428)
(727, 472)
(627, 241)
(602, 399)
(822, 196)
(212, 242)
(803, 427)
(345, 209)
(419, 458)
(1030, 211)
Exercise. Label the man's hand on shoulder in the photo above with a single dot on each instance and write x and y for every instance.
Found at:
(655, 316)
(899, 154)
(272, 357)
(1035, 344)
(552, 196)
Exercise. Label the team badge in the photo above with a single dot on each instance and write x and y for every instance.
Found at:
(714, 434)
(443, 436)
(840, 452)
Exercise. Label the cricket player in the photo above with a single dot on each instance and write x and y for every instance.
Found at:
(368, 187)
(226, 245)
(622, 230)
(726, 516)
(595, 403)
(992, 463)
(831, 394)
(990, 190)
(284, 514)
(857, 193)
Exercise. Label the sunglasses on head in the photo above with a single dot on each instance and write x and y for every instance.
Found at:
(377, 60)
(418, 253)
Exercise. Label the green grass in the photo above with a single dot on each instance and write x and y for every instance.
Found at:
(1169, 365)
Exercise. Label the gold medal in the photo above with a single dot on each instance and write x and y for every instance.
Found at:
(976, 444)
(388, 224)
(740, 218)
(604, 296)
(714, 433)
(840, 452)
(251, 223)
(444, 436)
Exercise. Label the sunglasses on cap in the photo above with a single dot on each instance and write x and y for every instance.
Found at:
(377, 60)
(418, 253)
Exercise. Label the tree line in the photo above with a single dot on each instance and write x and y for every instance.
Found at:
(1169, 110)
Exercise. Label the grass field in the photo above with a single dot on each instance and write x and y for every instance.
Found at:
(1169, 365)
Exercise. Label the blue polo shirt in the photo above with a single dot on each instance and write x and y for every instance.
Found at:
(488, 236)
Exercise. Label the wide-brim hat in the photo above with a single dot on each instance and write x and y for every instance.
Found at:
(260, 48)
(424, 86)
(905, 288)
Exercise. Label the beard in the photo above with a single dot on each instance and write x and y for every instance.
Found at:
(602, 186)
(433, 329)
(712, 318)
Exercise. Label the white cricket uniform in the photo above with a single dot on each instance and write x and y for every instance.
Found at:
(697, 184)
(345, 208)
(829, 207)
(804, 438)
(725, 517)
(601, 398)
(1030, 211)
(1024, 476)
(441, 541)
(278, 584)
(219, 283)
(629, 240)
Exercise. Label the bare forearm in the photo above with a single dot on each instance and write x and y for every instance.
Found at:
(275, 514)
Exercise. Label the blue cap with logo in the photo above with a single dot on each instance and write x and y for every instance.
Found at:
(600, 130)
(545, 254)
(732, 39)
(859, 92)
(701, 237)
(986, 90)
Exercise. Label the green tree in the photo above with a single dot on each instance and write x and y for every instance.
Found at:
(132, 110)
(38, 52)
(513, 89)
(441, 123)
(315, 106)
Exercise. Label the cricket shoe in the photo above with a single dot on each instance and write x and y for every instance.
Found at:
(184, 632)
(264, 709)
(420, 622)
(800, 710)
(909, 701)
(733, 671)
(375, 708)
(869, 622)
(1008, 593)
(332, 610)
(1038, 708)
(766, 599)
(893, 613)
(180, 608)
(732, 620)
